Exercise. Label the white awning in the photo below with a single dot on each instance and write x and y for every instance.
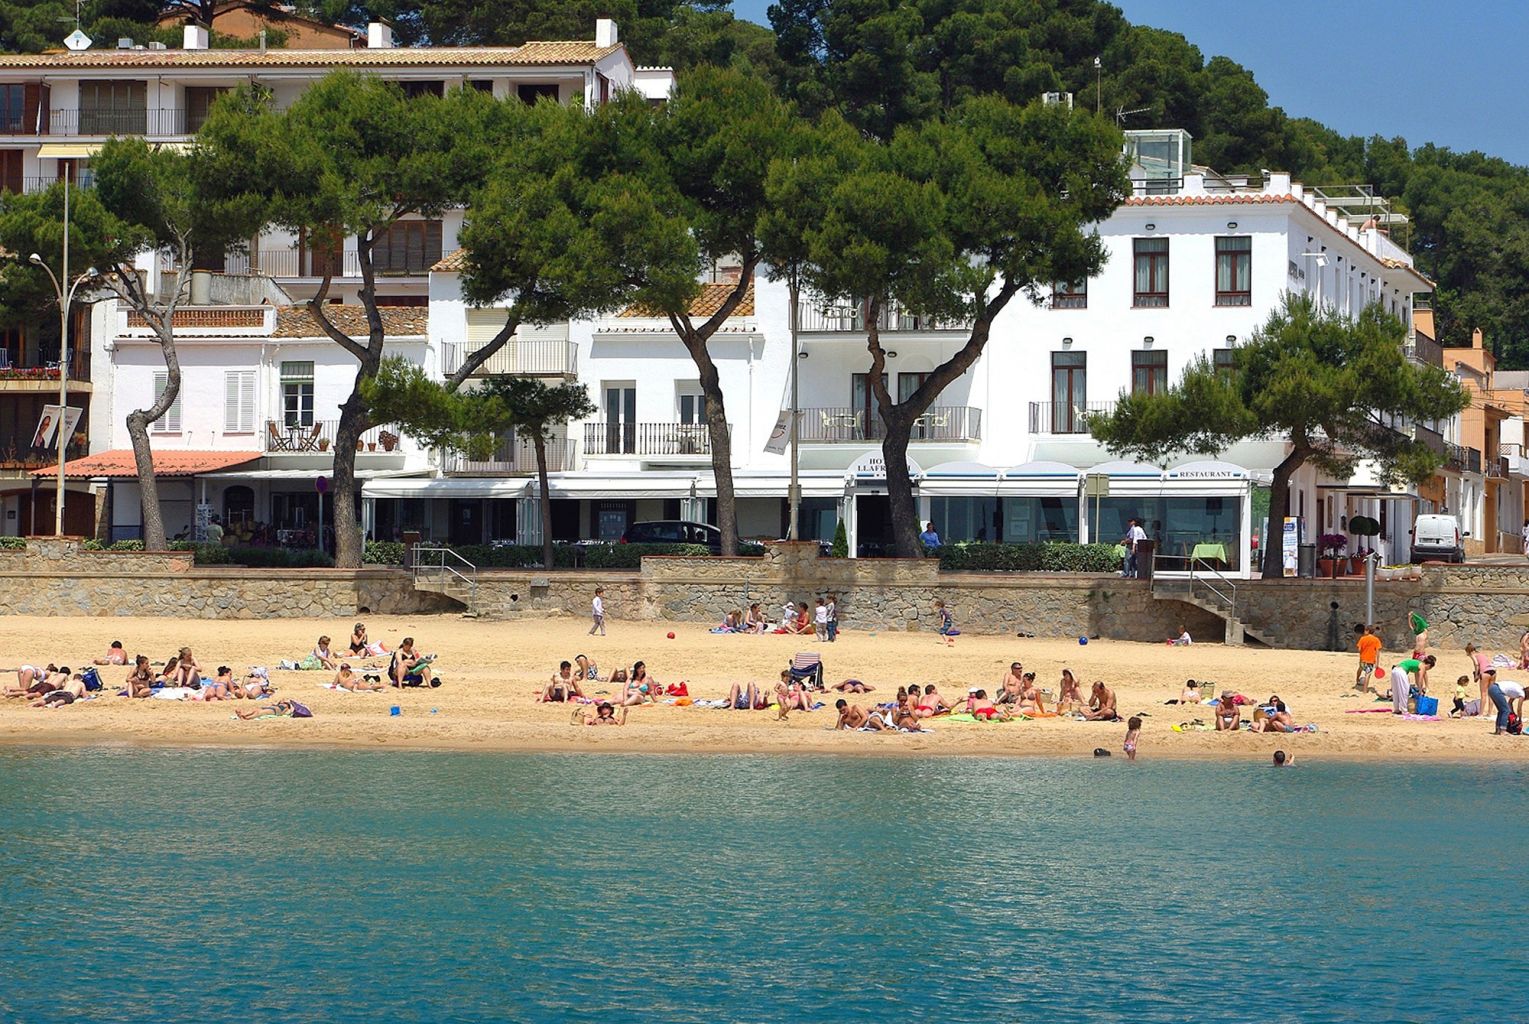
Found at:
(446, 487)
(974, 479)
(814, 484)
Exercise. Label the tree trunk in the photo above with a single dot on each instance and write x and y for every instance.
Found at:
(721, 457)
(539, 442)
(148, 484)
(348, 547)
(1279, 508)
(894, 452)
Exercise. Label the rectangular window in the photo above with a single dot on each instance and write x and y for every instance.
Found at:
(532, 93)
(239, 402)
(865, 408)
(170, 422)
(1234, 271)
(408, 247)
(114, 108)
(620, 419)
(297, 394)
(1151, 282)
(199, 101)
(1224, 360)
(432, 88)
(481, 84)
(1069, 392)
(1149, 372)
(1069, 296)
(24, 109)
(10, 170)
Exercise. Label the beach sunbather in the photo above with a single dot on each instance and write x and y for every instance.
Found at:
(853, 686)
(1070, 697)
(605, 714)
(563, 686)
(409, 667)
(1228, 713)
(1101, 704)
(115, 655)
(744, 696)
(346, 679)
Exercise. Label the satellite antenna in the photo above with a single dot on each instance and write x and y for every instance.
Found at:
(77, 40)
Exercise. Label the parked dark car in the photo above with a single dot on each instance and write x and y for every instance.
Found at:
(679, 531)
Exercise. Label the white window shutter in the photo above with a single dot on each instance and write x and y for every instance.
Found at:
(239, 401)
(170, 422)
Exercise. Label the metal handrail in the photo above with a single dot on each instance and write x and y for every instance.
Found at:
(1230, 598)
(432, 558)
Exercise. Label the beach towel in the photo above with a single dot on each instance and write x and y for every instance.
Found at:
(1419, 624)
(1409, 717)
(1369, 711)
(1503, 661)
(176, 693)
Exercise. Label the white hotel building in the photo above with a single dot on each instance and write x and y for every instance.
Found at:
(1196, 261)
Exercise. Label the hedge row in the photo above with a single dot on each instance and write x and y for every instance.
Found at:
(1049, 557)
(564, 556)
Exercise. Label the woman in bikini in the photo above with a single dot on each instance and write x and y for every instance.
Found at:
(1030, 702)
(640, 688)
(221, 688)
(1071, 696)
(140, 681)
(186, 671)
(361, 647)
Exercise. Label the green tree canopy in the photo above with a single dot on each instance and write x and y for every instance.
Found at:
(1340, 389)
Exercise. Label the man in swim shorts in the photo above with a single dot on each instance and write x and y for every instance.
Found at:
(853, 716)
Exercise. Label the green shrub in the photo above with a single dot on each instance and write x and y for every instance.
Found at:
(15, 543)
(515, 556)
(1049, 557)
(629, 556)
(383, 552)
(92, 545)
(841, 542)
(126, 545)
(206, 554)
(280, 558)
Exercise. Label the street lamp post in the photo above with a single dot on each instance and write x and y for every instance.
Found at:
(65, 299)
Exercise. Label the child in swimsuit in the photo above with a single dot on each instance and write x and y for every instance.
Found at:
(1133, 733)
(947, 628)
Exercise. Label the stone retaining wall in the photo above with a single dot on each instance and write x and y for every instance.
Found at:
(56, 577)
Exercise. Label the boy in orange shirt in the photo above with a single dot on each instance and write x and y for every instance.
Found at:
(1369, 655)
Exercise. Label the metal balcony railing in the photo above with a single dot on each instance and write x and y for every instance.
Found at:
(532, 357)
(102, 122)
(316, 437)
(1422, 349)
(1462, 459)
(849, 318)
(513, 456)
(293, 263)
(32, 183)
(1064, 417)
(844, 425)
(647, 439)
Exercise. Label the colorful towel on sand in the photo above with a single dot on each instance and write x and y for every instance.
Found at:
(1409, 717)
(1369, 711)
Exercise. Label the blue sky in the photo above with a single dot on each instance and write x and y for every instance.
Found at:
(1453, 74)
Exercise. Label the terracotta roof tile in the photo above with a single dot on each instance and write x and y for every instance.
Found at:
(119, 463)
(707, 302)
(536, 54)
(397, 321)
(1211, 200)
(454, 262)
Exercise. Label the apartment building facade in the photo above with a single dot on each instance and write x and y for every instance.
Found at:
(259, 382)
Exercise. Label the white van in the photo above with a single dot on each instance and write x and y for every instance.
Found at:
(1437, 538)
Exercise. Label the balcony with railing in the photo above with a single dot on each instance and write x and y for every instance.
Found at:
(1462, 459)
(317, 438)
(1065, 417)
(849, 318)
(293, 263)
(514, 456)
(528, 357)
(647, 440)
(41, 183)
(1422, 349)
(102, 122)
(958, 424)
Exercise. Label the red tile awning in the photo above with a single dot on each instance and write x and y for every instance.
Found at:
(119, 463)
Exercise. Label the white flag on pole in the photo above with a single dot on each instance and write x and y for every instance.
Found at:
(780, 434)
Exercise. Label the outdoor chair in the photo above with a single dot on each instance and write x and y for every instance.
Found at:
(807, 665)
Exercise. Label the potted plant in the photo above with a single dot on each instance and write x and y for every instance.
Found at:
(389, 440)
(1364, 526)
(323, 444)
(1331, 544)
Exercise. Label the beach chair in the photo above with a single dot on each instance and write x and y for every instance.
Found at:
(807, 665)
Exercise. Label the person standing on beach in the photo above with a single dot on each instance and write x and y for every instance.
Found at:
(1134, 533)
(597, 612)
(1369, 655)
(833, 617)
(1133, 734)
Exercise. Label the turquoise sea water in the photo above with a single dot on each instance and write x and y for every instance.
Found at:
(255, 885)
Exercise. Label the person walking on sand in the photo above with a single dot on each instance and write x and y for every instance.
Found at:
(597, 613)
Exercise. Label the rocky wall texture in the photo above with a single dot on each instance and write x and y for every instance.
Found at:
(55, 577)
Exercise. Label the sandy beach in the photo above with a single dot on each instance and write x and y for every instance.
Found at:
(493, 669)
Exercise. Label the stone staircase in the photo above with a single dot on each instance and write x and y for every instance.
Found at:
(439, 570)
(1211, 592)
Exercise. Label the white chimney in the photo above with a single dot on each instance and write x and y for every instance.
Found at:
(605, 32)
(379, 36)
(194, 37)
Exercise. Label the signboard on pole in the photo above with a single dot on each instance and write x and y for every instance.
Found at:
(780, 435)
(1291, 552)
(48, 424)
